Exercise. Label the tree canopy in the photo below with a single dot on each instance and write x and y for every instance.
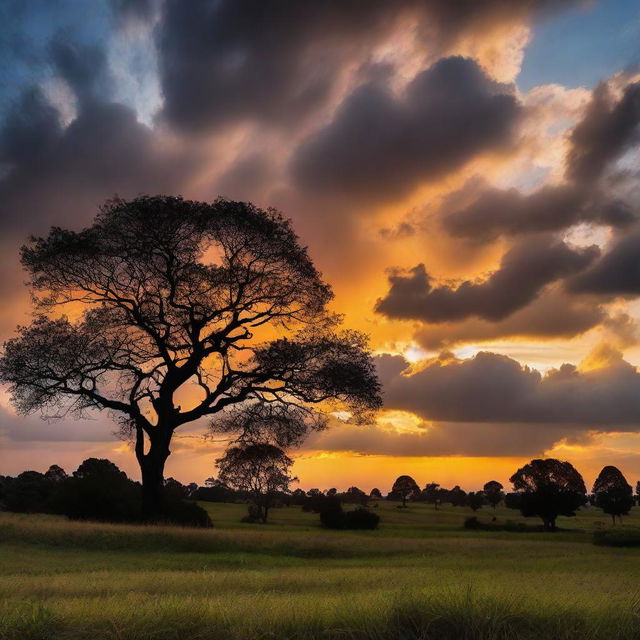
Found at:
(403, 488)
(547, 488)
(613, 494)
(259, 469)
(163, 298)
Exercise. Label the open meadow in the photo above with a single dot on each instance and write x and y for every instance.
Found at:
(420, 575)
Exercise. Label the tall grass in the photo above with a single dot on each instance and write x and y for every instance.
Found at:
(420, 577)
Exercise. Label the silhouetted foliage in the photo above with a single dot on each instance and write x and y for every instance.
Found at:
(431, 494)
(404, 488)
(493, 491)
(29, 492)
(546, 489)
(173, 293)
(375, 494)
(215, 491)
(333, 516)
(612, 493)
(355, 495)
(456, 496)
(261, 470)
(475, 500)
(98, 490)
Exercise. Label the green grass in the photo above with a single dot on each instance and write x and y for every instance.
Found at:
(420, 576)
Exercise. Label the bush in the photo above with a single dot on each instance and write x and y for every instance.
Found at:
(187, 514)
(472, 522)
(360, 518)
(621, 538)
(254, 514)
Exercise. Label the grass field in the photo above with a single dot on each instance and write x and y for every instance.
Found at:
(420, 576)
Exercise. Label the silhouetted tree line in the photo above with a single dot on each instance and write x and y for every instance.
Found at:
(259, 475)
(543, 488)
(96, 490)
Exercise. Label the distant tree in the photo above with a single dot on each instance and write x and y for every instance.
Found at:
(55, 473)
(612, 493)
(546, 489)
(355, 495)
(174, 489)
(215, 491)
(28, 492)
(457, 497)
(475, 500)
(404, 488)
(375, 494)
(332, 492)
(638, 492)
(258, 469)
(99, 490)
(431, 494)
(169, 295)
(493, 493)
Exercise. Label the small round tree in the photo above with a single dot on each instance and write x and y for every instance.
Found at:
(260, 470)
(546, 489)
(404, 488)
(493, 493)
(613, 494)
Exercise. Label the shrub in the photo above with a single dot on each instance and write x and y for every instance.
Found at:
(620, 538)
(361, 518)
(187, 514)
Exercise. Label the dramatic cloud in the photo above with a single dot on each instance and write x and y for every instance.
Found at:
(524, 271)
(446, 439)
(617, 273)
(496, 212)
(494, 388)
(553, 315)
(380, 146)
(608, 129)
(223, 61)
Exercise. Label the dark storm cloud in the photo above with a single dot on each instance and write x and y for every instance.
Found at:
(84, 68)
(447, 439)
(494, 388)
(607, 130)
(552, 315)
(379, 146)
(524, 271)
(104, 151)
(223, 60)
(496, 212)
(617, 273)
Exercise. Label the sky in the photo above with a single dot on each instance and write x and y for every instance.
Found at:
(464, 174)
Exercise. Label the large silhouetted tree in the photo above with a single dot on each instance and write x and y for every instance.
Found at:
(261, 470)
(404, 488)
(547, 488)
(613, 494)
(178, 310)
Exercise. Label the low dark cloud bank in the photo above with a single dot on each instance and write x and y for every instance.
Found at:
(495, 388)
(524, 271)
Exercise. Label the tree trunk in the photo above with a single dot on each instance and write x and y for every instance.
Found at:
(152, 468)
